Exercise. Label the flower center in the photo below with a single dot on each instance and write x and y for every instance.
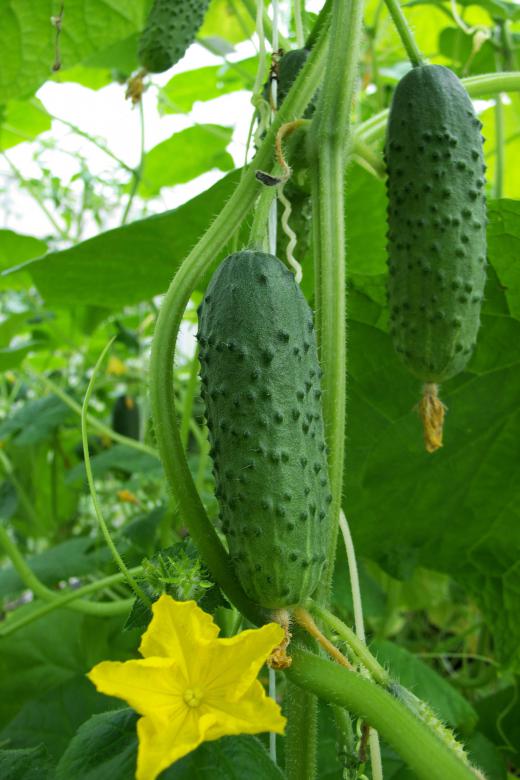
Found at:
(192, 697)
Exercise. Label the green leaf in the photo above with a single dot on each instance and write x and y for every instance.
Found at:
(27, 38)
(35, 420)
(455, 511)
(11, 357)
(16, 248)
(424, 682)
(486, 756)
(185, 156)
(504, 249)
(52, 718)
(26, 764)
(227, 20)
(181, 92)
(511, 114)
(105, 747)
(73, 558)
(114, 269)
(22, 121)
(119, 457)
(49, 653)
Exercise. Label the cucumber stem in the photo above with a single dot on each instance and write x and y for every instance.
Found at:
(305, 621)
(417, 744)
(359, 648)
(405, 33)
(328, 138)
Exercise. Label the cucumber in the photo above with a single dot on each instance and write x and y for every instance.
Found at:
(261, 388)
(437, 223)
(125, 417)
(170, 28)
(289, 66)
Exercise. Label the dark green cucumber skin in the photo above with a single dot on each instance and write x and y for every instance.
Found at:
(170, 29)
(125, 417)
(261, 388)
(437, 223)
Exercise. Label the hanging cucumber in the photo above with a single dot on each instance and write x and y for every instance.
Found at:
(125, 417)
(170, 28)
(437, 231)
(261, 387)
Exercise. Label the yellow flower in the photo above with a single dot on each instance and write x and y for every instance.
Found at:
(191, 686)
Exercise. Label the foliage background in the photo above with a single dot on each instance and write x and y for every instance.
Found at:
(438, 536)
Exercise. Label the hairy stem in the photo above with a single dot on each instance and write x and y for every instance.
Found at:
(405, 33)
(412, 739)
(328, 139)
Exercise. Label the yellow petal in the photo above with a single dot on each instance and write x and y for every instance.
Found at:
(177, 630)
(150, 685)
(253, 713)
(229, 666)
(161, 744)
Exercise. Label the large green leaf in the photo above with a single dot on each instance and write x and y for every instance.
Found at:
(181, 92)
(16, 248)
(105, 748)
(52, 718)
(50, 653)
(27, 37)
(26, 764)
(185, 156)
(128, 264)
(22, 121)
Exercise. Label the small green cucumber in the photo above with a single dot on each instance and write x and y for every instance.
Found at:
(125, 417)
(261, 388)
(170, 28)
(289, 66)
(437, 223)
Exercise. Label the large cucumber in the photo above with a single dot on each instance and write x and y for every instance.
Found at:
(437, 223)
(170, 28)
(261, 387)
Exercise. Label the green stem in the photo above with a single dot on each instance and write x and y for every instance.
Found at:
(20, 490)
(30, 579)
(328, 139)
(499, 147)
(163, 348)
(71, 599)
(258, 234)
(93, 493)
(298, 23)
(94, 423)
(358, 647)
(301, 733)
(250, 5)
(412, 739)
(319, 25)
(189, 396)
(138, 173)
(486, 85)
(405, 33)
